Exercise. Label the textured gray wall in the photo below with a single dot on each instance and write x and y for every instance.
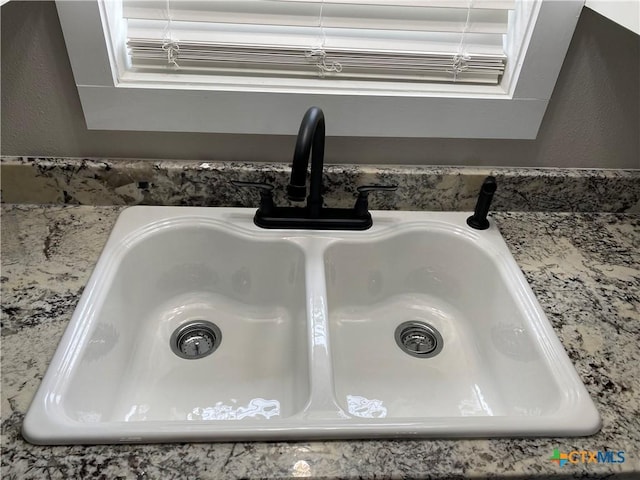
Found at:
(593, 119)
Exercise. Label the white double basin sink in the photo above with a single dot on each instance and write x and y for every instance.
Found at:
(196, 325)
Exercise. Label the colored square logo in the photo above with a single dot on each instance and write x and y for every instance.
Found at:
(560, 458)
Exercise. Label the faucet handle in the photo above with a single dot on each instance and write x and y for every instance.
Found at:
(362, 203)
(266, 194)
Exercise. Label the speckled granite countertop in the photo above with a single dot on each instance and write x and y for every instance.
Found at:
(584, 268)
(92, 181)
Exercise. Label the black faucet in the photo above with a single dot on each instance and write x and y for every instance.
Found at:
(310, 144)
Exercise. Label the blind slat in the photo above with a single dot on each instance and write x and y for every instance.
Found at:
(363, 40)
(158, 8)
(339, 15)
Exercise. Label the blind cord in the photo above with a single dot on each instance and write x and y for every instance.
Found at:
(459, 63)
(318, 55)
(169, 45)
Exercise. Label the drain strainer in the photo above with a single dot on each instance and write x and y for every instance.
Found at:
(419, 339)
(196, 339)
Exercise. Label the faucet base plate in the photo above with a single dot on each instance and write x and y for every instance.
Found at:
(298, 218)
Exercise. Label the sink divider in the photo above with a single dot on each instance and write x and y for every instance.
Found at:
(322, 402)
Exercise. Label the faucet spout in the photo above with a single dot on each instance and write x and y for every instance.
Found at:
(310, 143)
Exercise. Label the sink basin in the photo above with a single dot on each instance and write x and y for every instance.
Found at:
(179, 273)
(196, 325)
(492, 359)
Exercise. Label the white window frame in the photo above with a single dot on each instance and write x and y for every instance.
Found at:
(116, 100)
(623, 12)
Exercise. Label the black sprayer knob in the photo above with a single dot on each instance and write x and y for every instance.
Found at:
(479, 218)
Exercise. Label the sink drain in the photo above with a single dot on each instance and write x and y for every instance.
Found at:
(419, 339)
(196, 339)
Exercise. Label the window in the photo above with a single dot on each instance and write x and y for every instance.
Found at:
(433, 68)
(455, 41)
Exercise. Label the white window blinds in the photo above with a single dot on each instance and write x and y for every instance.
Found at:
(421, 40)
